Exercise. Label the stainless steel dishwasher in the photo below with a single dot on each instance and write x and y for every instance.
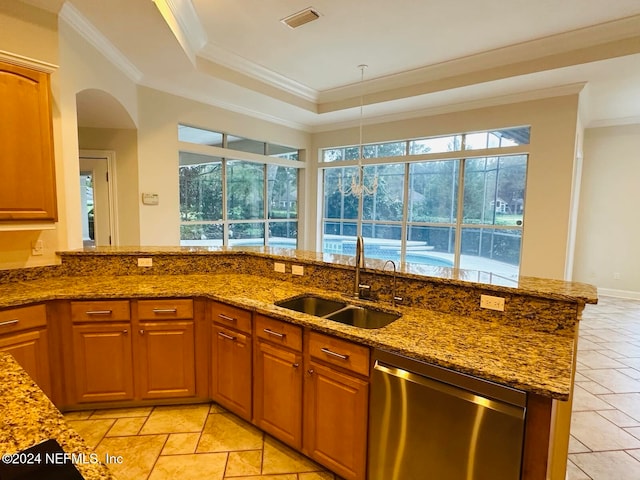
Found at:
(430, 423)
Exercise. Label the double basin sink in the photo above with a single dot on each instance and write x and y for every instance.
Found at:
(339, 311)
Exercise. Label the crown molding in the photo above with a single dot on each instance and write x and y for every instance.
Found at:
(221, 56)
(86, 30)
(520, 97)
(28, 62)
(195, 96)
(614, 122)
(183, 20)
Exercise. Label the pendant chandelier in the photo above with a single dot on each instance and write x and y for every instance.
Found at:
(357, 186)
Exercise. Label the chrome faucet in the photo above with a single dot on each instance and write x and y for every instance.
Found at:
(394, 297)
(358, 288)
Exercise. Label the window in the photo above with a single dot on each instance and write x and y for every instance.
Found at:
(461, 212)
(228, 201)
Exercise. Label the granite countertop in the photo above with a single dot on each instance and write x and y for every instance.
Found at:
(514, 355)
(28, 417)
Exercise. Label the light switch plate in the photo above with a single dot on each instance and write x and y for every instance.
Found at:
(279, 267)
(297, 269)
(150, 198)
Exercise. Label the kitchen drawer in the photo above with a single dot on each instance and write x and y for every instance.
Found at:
(231, 317)
(165, 309)
(279, 332)
(341, 353)
(100, 311)
(22, 318)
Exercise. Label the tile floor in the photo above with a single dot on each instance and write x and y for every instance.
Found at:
(605, 423)
(205, 442)
(188, 443)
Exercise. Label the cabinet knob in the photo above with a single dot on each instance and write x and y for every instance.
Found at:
(311, 371)
(125, 332)
(141, 332)
(295, 365)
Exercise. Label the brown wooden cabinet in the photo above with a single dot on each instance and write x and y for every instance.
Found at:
(23, 333)
(277, 386)
(103, 360)
(102, 351)
(28, 190)
(134, 350)
(231, 358)
(166, 349)
(336, 392)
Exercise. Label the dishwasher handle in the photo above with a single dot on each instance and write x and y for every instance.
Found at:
(455, 391)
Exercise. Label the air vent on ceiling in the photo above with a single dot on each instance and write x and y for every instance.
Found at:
(298, 19)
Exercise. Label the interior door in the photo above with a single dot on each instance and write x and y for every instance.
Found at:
(95, 201)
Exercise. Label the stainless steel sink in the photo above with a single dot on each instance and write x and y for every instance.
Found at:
(337, 311)
(362, 317)
(312, 305)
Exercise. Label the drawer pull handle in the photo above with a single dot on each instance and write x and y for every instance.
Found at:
(99, 312)
(228, 337)
(165, 310)
(334, 354)
(224, 317)
(275, 334)
(9, 322)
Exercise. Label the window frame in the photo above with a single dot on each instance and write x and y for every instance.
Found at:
(458, 225)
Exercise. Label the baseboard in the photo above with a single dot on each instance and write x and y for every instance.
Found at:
(610, 292)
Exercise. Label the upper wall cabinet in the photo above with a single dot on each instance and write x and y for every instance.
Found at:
(27, 176)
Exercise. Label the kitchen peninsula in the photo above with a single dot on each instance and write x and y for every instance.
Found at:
(529, 346)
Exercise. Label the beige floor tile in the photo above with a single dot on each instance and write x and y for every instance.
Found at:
(575, 446)
(81, 415)
(629, 403)
(574, 473)
(583, 400)
(226, 432)
(618, 418)
(291, 476)
(278, 458)
(181, 444)
(613, 380)
(598, 433)
(126, 426)
(242, 464)
(139, 454)
(215, 408)
(595, 359)
(122, 412)
(92, 430)
(316, 476)
(206, 466)
(608, 465)
(180, 419)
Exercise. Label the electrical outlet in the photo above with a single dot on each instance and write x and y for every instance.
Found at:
(145, 262)
(616, 275)
(37, 247)
(279, 267)
(492, 303)
(297, 269)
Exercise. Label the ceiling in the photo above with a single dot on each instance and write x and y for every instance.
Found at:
(423, 56)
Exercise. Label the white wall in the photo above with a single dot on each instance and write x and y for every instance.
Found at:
(608, 239)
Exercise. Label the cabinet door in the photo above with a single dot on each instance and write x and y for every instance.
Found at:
(26, 146)
(31, 351)
(231, 370)
(103, 362)
(167, 359)
(335, 428)
(277, 393)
